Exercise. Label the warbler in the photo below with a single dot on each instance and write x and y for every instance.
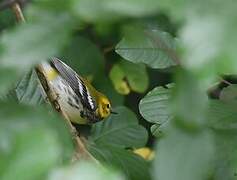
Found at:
(81, 102)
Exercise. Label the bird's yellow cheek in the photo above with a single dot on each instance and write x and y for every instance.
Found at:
(106, 114)
(102, 112)
(99, 112)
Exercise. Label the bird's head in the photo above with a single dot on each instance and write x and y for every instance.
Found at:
(104, 107)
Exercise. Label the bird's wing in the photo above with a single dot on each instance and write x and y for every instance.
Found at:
(75, 82)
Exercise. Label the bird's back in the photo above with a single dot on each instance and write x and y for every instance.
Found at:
(69, 102)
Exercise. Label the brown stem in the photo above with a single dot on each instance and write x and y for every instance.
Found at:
(215, 86)
(108, 49)
(18, 12)
(225, 81)
(82, 152)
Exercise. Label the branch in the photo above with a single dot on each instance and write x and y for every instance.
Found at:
(82, 152)
(108, 49)
(214, 89)
(225, 81)
(18, 13)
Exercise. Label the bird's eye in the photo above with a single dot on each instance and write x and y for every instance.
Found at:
(107, 105)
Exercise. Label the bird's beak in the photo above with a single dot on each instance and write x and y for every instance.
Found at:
(113, 112)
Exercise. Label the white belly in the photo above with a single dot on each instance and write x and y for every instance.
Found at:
(69, 102)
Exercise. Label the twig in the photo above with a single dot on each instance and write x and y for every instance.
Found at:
(82, 152)
(225, 81)
(108, 49)
(216, 84)
(18, 13)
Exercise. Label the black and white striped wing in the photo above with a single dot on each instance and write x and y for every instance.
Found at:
(76, 83)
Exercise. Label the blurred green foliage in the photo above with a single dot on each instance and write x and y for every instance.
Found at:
(128, 49)
(85, 170)
(31, 138)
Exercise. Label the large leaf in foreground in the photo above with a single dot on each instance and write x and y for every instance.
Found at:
(85, 170)
(198, 149)
(155, 48)
(107, 10)
(31, 139)
(189, 101)
(33, 42)
(226, 159)
(214, 44)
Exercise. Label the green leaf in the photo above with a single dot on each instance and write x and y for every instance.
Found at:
(207, 51)
(85, 170)
(134, 75)
(155, 130)
(199, 54)
(42, 38)
(132, 165)
(120, 130)
(222, 119)
(154, 107)
(117, 76)
(51, 5)
(184, 156)
(150, 46)
(28, 90)
(31, 139)
(83, 56)
(222, 115)
(109, 138)
(158, 129)
(226, 159)
(6, 20)
(112, 10)
(213, 44)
